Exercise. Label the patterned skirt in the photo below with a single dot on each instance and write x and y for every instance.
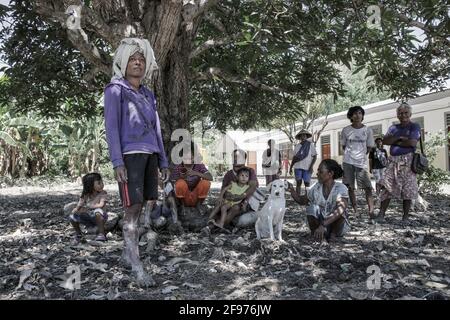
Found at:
(399, 181)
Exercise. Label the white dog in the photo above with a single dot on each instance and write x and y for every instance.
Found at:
(270, 218)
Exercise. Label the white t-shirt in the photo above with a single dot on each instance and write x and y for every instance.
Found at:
(356, 142)
(273, 160)
(327, 206)
(305, 163)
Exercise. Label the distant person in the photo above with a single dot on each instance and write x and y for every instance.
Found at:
(377, 163)
(305, 156)
(357, 141)
(271, 163)
(286, 165)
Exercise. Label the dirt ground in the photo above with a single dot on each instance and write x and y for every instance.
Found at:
(413, 260)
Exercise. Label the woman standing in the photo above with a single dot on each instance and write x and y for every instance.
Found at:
(134, 140)
(399, 180)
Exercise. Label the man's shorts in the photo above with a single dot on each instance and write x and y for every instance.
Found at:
(378, 174)
(142, 185)
(88, 218)
(301, 174)
(352, 173)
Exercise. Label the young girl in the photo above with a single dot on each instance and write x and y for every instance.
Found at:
(232, 195)
(90, 208)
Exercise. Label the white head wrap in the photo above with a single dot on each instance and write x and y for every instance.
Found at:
(126, 49)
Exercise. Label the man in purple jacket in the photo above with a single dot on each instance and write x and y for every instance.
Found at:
(134, 139)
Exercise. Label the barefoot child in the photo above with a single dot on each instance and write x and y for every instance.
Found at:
(90, 208)
(230, 196)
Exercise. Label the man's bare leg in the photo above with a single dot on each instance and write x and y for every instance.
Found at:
(369, 199)
(131, 248)
(352, 195)
(298, 188)
(173, 206)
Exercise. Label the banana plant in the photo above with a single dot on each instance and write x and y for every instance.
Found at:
(83, 143)
(15, 139)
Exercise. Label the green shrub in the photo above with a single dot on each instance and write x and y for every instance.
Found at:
(434, 178)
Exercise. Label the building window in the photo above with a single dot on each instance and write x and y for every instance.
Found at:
(340, 151)
(325, 146)
(377, 131)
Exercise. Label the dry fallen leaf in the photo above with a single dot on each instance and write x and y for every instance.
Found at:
(409, 298)
(26, 272)
(178, 260)
(191, 285)
(98, 266)
(435, 285)
(169, 289)
(358, 295)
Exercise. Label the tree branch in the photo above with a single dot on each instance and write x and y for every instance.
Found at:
(193, 11)
(56, 12)
(203, 6)
(422, 26)
(211, 18)
(212, 44)
(288, 133)
(137, 8)
(224, 10)
(80, 40)
(317, 133)
(413, 23)
(91, 18)
(215, 72)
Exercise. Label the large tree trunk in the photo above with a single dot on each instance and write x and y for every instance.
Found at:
(171, 82)
(172, 91)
